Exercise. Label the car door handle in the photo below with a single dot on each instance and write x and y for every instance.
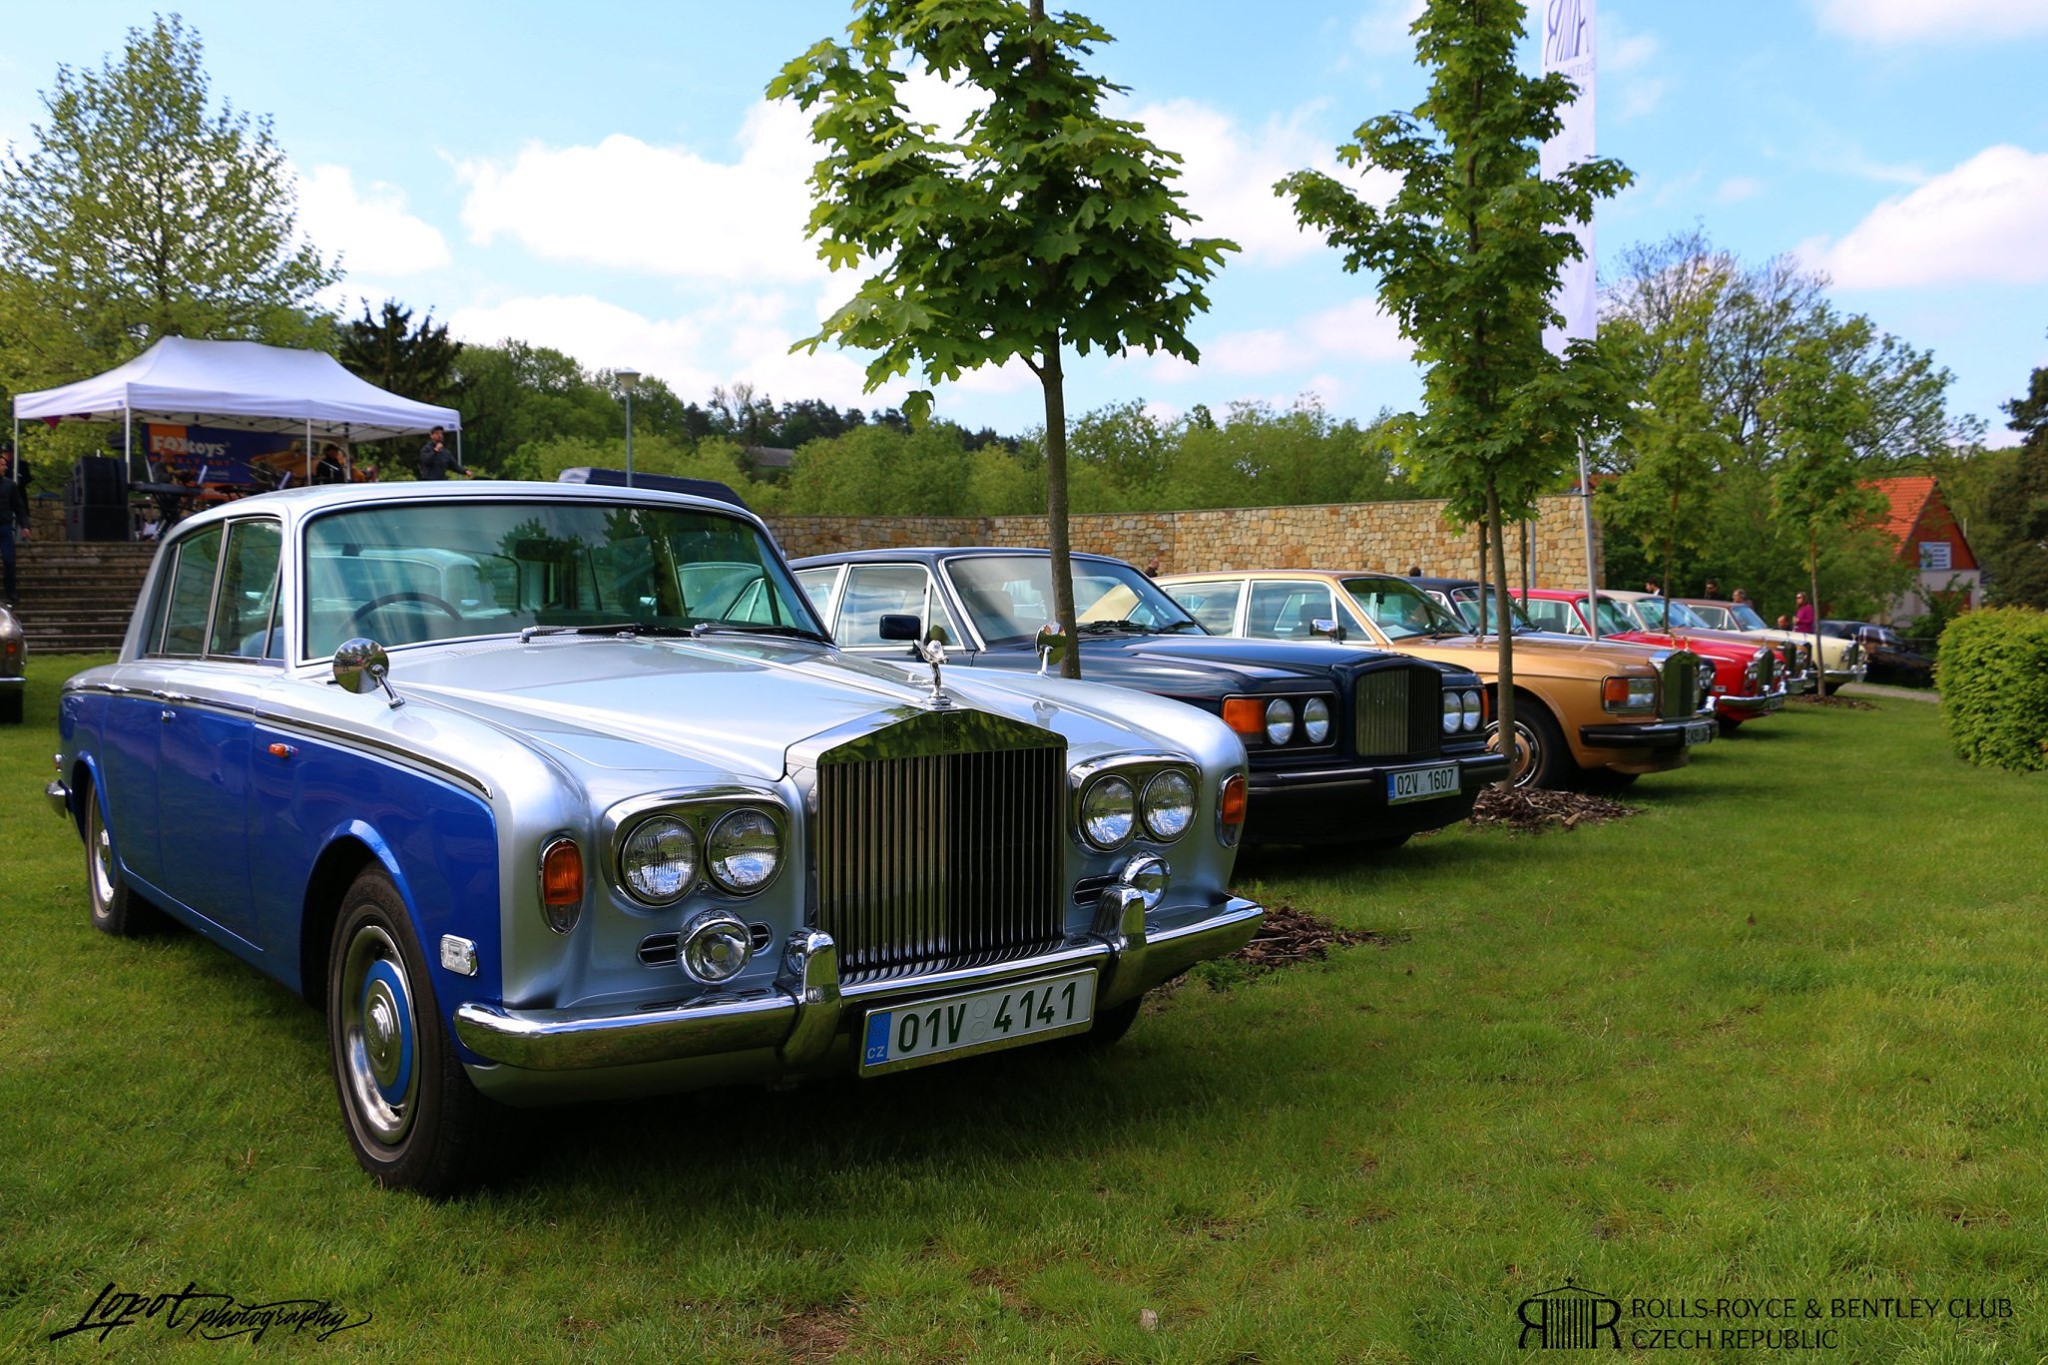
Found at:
(167, 715)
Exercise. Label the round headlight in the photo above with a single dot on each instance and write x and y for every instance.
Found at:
(658, 861)
(743, 852)
(1315, 720)
(1279, 721)
(1472, 704)
(1108, 811)
(1169, 805)
(714, 947)
(1454, 712)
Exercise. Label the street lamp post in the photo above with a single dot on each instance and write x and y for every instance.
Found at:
(627, 379)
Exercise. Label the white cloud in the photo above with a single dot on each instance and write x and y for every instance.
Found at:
(1383, 29)
(368, 225)
(1980, 221)
(1228, 171)
(1358, 332)
(1737, 188)
(1953, 21)
(629, 205)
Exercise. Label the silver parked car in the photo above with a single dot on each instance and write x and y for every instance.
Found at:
(549, 792)
(13, 668)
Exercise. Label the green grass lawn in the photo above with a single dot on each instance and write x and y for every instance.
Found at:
(1780, 1037)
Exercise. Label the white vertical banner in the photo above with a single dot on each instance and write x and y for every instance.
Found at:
(1565, 28)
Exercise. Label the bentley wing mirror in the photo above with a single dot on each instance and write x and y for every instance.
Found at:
(1052, 646)
(361, 665)
(1327, 626)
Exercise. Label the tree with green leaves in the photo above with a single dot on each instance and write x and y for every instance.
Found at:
(1821, 411)
(388, 350)
(1468, 253)
(1040, 224)
(140, 212)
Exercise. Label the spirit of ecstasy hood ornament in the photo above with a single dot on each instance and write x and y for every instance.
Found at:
(932, 649)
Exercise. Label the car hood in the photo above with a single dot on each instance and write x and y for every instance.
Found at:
(735, 704)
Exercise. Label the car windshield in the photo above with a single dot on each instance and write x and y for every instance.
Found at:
(1400, 609)
(1613, 620)
(411, 573)
(1010, 596)
(1468, 611)
(1746, 617)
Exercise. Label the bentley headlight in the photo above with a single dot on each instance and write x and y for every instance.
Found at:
(1109, 810)
(1454, 712)
(743, 851)
(658, 861)
(1473, 707)
(1315, 720)
(1279, 721)
(1169, 805)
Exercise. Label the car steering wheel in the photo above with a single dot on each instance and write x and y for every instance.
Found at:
(356, 617)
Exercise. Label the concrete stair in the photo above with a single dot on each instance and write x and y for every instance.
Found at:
(76, 598)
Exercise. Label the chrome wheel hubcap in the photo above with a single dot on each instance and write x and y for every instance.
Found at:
(379, 1035)
(102, 864)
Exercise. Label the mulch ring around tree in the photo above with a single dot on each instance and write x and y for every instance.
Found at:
(1845, 703)
(1290, 937)
(1533, 810)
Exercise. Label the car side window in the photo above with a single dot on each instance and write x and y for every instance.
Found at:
(1212, 604)
(179, 627)
(817, 585)
(1285, 611)
(877, 590)
(244, 615)
(1549, 615)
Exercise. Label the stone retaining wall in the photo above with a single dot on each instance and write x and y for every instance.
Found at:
(1387, 536)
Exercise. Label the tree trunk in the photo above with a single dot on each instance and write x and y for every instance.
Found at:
(1504, 690)
(1052, 378)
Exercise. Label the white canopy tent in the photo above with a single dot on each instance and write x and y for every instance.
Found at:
(242, 386)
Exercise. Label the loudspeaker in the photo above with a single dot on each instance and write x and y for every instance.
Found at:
(96, 523)
(97, 481)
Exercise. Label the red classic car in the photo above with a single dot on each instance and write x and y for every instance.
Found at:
(1748, 680)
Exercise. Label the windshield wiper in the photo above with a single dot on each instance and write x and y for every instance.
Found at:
(1126, 625)
(756, 628)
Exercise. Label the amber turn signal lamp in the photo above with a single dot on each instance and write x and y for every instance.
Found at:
(1246, 715)
(1230, 808)
(561, 884)
(1614, 692)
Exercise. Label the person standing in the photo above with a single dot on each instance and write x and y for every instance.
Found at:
(1802, 616)
(436, 459)
(13, 512)
(332, 467)
(1713, 593)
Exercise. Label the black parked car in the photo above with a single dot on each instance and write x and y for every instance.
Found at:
(1343, 744)
(1888, 656)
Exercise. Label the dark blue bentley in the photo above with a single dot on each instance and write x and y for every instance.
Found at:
(1350, 745)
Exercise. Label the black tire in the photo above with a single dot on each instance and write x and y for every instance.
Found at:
(1728, 727)
(12, 705)
(115, 908)
(412, 1116)
(1542, 760)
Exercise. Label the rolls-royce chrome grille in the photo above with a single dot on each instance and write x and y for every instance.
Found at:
(932, 861)
(1400, 713)
(1679, 695)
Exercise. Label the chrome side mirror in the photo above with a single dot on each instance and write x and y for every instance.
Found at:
(361, 665)
(1052, 646)
(1328, 627)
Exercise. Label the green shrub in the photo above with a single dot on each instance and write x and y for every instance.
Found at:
(1993, 677)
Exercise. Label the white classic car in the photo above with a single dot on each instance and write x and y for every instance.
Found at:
(548, 792)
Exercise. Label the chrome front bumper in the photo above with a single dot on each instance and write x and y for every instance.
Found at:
(808, 1009)
(59, 797)
(1745, 707)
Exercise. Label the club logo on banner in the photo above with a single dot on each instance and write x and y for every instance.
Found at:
(1567, 32)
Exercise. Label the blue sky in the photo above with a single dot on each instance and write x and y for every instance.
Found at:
(607, 178)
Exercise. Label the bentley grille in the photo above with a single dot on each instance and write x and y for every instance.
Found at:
(941, 860)
(1400, 712)
(1678, 697)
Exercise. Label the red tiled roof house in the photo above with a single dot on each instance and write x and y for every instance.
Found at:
(1927, 534)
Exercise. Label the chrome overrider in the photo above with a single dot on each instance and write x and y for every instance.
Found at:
(808, 1015)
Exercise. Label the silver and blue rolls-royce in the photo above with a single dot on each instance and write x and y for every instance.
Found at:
(547, 792)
